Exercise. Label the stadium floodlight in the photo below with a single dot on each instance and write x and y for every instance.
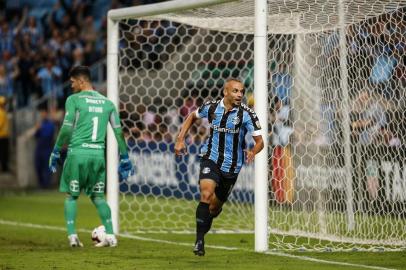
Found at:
(326, 182)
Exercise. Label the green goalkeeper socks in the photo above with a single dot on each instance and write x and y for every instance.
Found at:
(70, 214)
(104, 213)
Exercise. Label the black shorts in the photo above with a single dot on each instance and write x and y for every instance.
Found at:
(225, 181)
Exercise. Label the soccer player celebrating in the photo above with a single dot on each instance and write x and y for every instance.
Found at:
(84, 131)
(223, 154)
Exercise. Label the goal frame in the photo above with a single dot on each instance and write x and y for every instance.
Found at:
(260, 96)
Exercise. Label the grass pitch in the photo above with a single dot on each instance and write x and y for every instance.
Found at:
(32, 236)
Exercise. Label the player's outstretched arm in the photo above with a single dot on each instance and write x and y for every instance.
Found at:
(180, 146)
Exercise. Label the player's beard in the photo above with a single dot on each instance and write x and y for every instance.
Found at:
(236, 103)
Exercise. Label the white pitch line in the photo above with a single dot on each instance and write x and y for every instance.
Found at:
(305, 258)
(279, 254)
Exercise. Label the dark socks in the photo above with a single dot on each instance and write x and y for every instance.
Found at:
(203, 220)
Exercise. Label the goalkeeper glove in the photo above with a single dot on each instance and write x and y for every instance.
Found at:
(53, 159)
(125, 169)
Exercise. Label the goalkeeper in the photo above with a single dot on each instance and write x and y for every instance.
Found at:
(223, 154)
(84, 131)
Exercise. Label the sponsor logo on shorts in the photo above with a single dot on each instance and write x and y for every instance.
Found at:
(206, 170)
(74, 186)
(98, 187)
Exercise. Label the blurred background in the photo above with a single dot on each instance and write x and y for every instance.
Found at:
(40, 40)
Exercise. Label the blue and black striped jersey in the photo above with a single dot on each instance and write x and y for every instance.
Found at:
(226, 141)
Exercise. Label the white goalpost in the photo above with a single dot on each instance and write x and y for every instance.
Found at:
(327, 80)
(261, 107)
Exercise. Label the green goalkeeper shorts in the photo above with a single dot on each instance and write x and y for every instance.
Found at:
(85, 172)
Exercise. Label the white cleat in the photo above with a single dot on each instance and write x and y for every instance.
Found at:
(109, 241)
(74, 241)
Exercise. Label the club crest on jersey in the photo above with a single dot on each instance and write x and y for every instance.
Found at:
(206, 170)
(236, 120)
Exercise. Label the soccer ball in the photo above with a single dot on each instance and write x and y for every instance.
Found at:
(99, 234)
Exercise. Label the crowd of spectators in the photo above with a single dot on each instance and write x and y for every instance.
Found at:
(151, 43)
(377, 49)
(159, 123)
(376, 64)
(377, 80)
(37, 50)
(36, 53)
(40, 41)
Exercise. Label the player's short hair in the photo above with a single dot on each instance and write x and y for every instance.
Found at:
(234, 80)
(80, 71)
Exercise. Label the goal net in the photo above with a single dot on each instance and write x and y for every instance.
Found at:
(336, 83)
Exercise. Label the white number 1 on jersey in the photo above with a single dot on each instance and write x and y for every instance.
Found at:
(95, 125)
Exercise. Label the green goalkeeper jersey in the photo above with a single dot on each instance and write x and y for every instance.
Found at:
(85, 124)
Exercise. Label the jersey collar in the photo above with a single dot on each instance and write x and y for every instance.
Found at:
(222, 105)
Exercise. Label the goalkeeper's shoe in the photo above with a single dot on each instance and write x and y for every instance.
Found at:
(109, 241)
(199, 248)
(74, 241)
